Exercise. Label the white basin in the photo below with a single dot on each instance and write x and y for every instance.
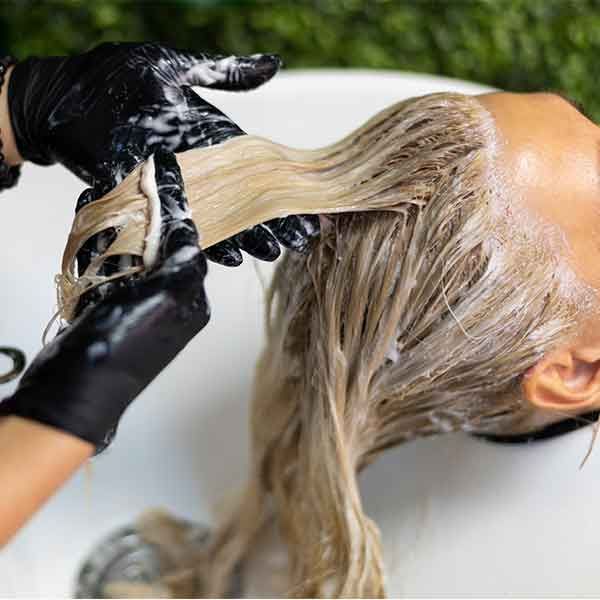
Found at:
(459, 517)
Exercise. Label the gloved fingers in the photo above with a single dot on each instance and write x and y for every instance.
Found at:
(232, 73)
(259, 242)
(295, 231)
(86, 253)
(178, 233)
(88, 195)
(95, 246)
(225, 253)
(99, 242)
(205, 124)
(175, 236)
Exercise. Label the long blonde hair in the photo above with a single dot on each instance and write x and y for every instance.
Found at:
(417, 319)
(249, 179)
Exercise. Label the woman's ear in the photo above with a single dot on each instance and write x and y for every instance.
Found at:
(565, 379)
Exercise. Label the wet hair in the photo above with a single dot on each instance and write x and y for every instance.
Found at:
(427, 296)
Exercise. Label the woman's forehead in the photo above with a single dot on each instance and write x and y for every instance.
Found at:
(548, 156)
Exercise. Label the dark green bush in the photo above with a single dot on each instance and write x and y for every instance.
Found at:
(518, 45)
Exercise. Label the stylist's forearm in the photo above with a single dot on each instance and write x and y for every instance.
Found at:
(9, 146)
(35, 461)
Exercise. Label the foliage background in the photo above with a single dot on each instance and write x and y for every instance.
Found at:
(518, 45)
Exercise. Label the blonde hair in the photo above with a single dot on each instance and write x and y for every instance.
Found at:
(248, 180)
(414, 320)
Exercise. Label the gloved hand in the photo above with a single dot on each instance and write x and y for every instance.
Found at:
(84, 379)
(102, 112)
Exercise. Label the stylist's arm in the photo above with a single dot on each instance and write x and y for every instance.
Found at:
(69, 401)
(99, 114)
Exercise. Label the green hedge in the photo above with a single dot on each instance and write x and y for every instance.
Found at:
(518, 45)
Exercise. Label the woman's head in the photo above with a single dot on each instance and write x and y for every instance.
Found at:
(529, 158)
(416, 320)
(548, 156)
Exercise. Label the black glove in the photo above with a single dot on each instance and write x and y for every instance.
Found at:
(102, 112)
(84, 379)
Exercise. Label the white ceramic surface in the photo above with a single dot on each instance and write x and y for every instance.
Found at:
(459, 517)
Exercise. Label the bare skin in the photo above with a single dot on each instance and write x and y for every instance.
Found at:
(550, 152)
(36, 459)
(9, 148)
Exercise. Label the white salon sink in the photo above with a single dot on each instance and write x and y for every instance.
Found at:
(459, 517)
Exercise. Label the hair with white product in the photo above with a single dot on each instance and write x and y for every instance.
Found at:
(414, 315)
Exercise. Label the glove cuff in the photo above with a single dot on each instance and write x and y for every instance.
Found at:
(9, 175)
(24, 79)
(28, 403)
